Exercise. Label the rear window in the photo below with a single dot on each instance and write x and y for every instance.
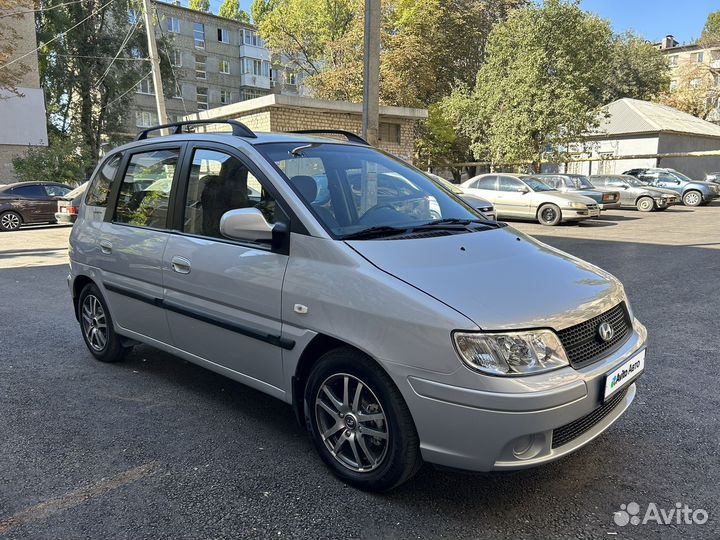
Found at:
(100, 188)
(33, 190)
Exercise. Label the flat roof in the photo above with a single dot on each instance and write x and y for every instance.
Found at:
(284, 101)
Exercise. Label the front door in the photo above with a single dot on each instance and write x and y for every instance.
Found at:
(131, 241)
(512, 198)
(223, 296)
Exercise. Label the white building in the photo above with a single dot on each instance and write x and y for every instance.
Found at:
(635, 127)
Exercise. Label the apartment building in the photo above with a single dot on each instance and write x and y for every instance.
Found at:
(695, 65)
(216, 62)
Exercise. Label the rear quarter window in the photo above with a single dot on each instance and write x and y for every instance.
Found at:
(99, 190)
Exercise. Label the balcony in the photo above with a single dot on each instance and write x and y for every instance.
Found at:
(255, 81)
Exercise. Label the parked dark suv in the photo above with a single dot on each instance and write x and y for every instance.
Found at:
(692, 192)
(25, 203)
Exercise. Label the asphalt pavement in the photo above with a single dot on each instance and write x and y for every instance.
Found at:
(156, 447)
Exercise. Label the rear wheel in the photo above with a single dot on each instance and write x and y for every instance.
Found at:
(645, 204)
(359, 422)
(97, 327)
(692, 198)
(10, 221)
(549, 214)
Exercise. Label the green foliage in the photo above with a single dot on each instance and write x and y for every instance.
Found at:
(200, 5)
(63, 160)
(260, 8)
(86, 92)
(711, 32)
(542, 85)
(230, 9)
(637, 69)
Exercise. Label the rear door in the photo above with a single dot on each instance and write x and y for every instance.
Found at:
(53, 194)
(131, 240)
(223, 296)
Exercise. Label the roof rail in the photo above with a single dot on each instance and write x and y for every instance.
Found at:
(238, 128)
(351, 137)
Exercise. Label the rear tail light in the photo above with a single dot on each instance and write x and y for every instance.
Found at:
(72, 210)
(608, 197)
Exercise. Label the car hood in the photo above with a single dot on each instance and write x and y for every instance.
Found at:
(500, 278)
(573, 196)
(474, 200)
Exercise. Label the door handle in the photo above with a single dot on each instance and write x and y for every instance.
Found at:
(105, 247)
(180, 265)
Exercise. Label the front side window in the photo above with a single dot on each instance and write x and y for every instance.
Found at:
(537, 185)
(99, 190)
(219, 183)
(199, 34)
(486, 182)
(352, 189)
(145, 189)
(509, 184)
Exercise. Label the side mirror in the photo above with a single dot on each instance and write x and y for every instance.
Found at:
(626, 186)
(246, 224)
(524, 190)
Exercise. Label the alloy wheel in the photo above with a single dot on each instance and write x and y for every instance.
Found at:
(351, 422)
(94, 322)
(692, 199)
(10, 221)
(548, 215)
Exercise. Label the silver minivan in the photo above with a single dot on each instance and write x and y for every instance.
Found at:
(399, 323)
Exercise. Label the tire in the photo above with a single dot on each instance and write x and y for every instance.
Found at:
(645, 204)
(662, 209)
(372, 463)
(10, 221)
(549, 214)
(97, 327)
(692, 198)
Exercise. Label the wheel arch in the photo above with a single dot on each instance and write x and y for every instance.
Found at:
(79, 283)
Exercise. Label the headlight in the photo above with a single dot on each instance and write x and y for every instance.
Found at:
(511, 353)
(579, 205)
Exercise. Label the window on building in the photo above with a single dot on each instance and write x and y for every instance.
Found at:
(266, 69)
(199, 33)
(700, 57)
(200, 70)
(672, 60)
(173, 25)
(273, 76)
(133, 16)
(389, 132)
(145, 119)
(606, 165)
(177, 93)
(250, 93)
(695, 83)
(145, 189)
(202, 98)
(176, 58)
(290, 78)
(145, 86)
(250, 37)
(223, 35)
(252, 66)
(224, 66)
(225, 97)
(673, 84)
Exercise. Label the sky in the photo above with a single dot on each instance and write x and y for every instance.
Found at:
(652, 19)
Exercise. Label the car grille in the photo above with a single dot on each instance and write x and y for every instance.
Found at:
(569, 432)
(582, 342)
(592, 206)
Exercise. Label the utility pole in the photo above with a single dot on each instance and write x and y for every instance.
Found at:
(154, 62)
(371, 79)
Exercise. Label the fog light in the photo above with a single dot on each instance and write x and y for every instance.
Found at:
(523, 445)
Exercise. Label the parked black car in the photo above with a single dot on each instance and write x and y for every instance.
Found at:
(25, 203)
(67, 207)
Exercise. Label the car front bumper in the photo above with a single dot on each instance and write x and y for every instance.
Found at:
(572, 214)
(475, 430)
(609, 205)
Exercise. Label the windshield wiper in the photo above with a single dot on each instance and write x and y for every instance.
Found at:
(381, 230)
(441, 223)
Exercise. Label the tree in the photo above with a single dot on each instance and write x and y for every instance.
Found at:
(694, 91)
(89, 76)
(711, 32)
(200, 5)
(10, 76)
(63, 160)
(260, 8)
(542, 85)
(231, 10)
(637, 69)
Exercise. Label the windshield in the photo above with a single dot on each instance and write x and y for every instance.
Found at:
(537, 185)
(352, 189)
(632, 181)
(579, 182)
(680, 175)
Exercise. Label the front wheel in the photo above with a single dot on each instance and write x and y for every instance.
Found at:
(359, 422)
(692, 198)
(645, 204)
(549, 214)
(10, 221)
(97, 326)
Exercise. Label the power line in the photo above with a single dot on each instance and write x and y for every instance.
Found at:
(170, 63)
(128, 90)
(131, 31)
(124, 58)
(58, 36)
(15, 13)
